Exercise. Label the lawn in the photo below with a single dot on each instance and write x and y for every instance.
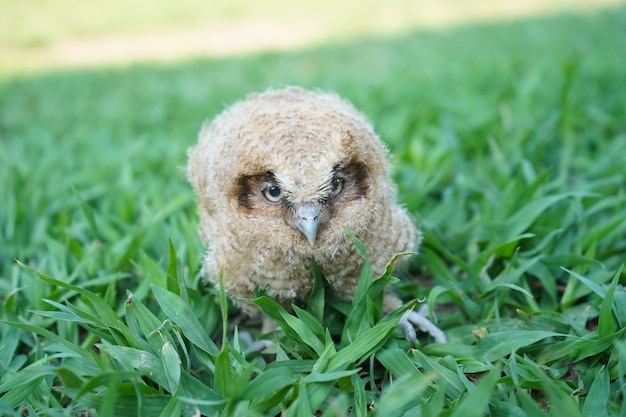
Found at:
(509, 147)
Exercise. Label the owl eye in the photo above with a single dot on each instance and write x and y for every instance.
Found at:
(336, 185)
(273, 193)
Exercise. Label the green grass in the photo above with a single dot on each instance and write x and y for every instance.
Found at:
(509, 144)
(36, 34)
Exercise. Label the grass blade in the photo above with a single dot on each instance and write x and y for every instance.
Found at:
(606, 323)
(367, 342)
(598, 396)
(171, 365)
(180, 313)
(475, 403)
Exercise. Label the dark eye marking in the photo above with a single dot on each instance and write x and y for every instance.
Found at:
(350, 180)
(246, 189)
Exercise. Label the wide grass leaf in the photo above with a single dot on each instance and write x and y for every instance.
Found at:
(579, 348)
(269, 382)
(403, 395)
(172, 366)
(294, 327)
(107, 316)
(301, 406)
(144, 324)
(513, 227)
(173, 408)
(144, 362)
(182, 315)
(606, 322)
(617, 304)
(224, 374)
(367, 343)
(396, 361)
(598, 396)
(493, 345)
(17, 389)
(54, 337)
(475, 403)
(446, 377)
(307, 327)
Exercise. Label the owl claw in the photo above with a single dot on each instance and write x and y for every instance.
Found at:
(254, 346)
(408, 330)
(411, 320)
(260, 346)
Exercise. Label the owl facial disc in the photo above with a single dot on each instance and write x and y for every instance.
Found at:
(306, 220)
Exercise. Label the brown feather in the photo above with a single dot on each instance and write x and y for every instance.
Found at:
(305, 143)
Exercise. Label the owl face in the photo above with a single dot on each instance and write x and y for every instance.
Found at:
(307, 204)
(289, 169)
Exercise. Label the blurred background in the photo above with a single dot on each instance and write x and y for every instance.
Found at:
(39, 34)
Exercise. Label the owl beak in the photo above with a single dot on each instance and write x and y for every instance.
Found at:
(307, 220)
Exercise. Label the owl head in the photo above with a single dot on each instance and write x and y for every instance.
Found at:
(291, 166)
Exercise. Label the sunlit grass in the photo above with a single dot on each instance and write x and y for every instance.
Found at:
(38, 35)
(508, 146)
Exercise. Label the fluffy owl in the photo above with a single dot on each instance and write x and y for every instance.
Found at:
(279, 176)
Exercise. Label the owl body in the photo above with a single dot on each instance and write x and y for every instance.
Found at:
(279, 177)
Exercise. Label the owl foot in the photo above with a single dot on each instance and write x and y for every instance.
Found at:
(254, 346)
(419, 319)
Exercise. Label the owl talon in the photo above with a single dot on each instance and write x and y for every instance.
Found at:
(419, 319)
(409, 331)
(260, 346)
(254, 346)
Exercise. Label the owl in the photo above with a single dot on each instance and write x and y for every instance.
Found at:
(279, 176)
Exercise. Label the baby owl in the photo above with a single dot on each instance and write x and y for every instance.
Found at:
(279, 176)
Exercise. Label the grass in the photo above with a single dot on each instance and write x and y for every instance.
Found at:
(508, 145)
(93, 33)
